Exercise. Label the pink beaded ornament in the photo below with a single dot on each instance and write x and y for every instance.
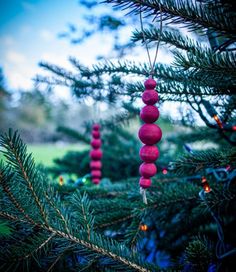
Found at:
(149, 134)
(96, 180)
(96, 155)
(147, 170)
(96, 174)
(95, 165)
(96, 143)
(149, 153)
(149, 114)
(144, 182)
(96, 134)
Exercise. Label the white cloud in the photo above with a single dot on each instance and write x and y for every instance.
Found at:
(19, 76)
(19, 70)
(56, 59)
(15, 57)
(7, 40)
(18, 80)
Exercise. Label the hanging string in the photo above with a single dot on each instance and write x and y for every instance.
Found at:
(143, 193)
(96, 112)
(152, 65)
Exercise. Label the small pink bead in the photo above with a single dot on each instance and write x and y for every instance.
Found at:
(147, 170)
(150, 134)
(96, 173)
(144, 182)
(150, 97)
(96, 180)
(96, 154)
(149, 114)
(149, 153)
(96, 127)
(95, 165)
(96, 143)
(96, 134)
(150, 84)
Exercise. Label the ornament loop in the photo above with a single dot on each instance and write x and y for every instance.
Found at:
(152, 65)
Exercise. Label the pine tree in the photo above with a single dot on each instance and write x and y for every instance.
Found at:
(108, 228)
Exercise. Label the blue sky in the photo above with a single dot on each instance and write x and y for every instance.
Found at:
(29, 33)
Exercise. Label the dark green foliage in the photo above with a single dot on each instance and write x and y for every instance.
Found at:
(195, 15)
(5, 230)
(198, 254)
(77, 221)
(97, 228)
(51, 229)
(198, 161)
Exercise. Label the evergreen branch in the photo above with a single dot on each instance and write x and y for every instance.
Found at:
(172, 80)
(194, 15)
(57, 259)
(176, 90)
(81, 205)
(38, 248)
(216, 63)
(198, 161)
(171, 38)
(23, 163)
(57, 70)
(101, 246)
(114, 222)
(12, 217)
(126, 67)
(161, 196)
(89, 245)
(58, 212)
(193, 82)
(197, 56)
(3, 182)
(133, 232)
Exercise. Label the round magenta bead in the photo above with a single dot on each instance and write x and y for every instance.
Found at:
(95, 165)
(149, 153)
(150, 134)
(150, 97)
(147, 170)
(96, 173)
(96, 143)
(96, 180)
(96, 154)
(150, 84)
(149, 114)
(96, 134)
(144, 182)
(96, 127)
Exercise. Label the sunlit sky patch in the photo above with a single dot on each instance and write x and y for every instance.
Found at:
(29, 33)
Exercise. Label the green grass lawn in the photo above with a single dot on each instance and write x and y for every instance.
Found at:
(45, 153)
